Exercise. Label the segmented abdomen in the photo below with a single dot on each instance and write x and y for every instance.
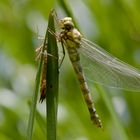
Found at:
(75, 59)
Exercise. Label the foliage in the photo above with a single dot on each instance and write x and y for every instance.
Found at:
(113, 24)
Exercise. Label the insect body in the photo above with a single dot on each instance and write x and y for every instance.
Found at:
(71, 38)
(102, 67)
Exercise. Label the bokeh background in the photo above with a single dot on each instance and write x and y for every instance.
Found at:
(113, 24)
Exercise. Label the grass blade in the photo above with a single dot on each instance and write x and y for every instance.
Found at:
(35, 95)
(52, 81)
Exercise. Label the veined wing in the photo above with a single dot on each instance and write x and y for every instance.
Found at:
(103, 68)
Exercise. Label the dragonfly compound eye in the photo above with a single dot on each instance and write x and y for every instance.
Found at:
(66, 23)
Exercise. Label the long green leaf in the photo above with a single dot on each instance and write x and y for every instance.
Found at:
(35, 95)
(52, 81)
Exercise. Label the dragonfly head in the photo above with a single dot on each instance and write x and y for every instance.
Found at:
(66, 23)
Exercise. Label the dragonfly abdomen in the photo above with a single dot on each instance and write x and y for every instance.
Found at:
(75, 59)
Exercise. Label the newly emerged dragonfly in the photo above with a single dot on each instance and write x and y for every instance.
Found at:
(102, 67)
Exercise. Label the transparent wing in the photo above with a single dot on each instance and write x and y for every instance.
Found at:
(103, 68)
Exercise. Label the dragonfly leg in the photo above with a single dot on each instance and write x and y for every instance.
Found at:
(38, 52)
(54, 34)
(63, 54)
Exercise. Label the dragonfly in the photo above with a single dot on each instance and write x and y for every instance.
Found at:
(102, 67)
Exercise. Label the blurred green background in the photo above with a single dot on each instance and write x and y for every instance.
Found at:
(113, 24)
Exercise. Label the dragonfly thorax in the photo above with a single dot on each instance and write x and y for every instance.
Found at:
(72, 37)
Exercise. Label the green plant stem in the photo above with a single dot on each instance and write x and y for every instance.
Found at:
(35, 95)
(52, 81)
